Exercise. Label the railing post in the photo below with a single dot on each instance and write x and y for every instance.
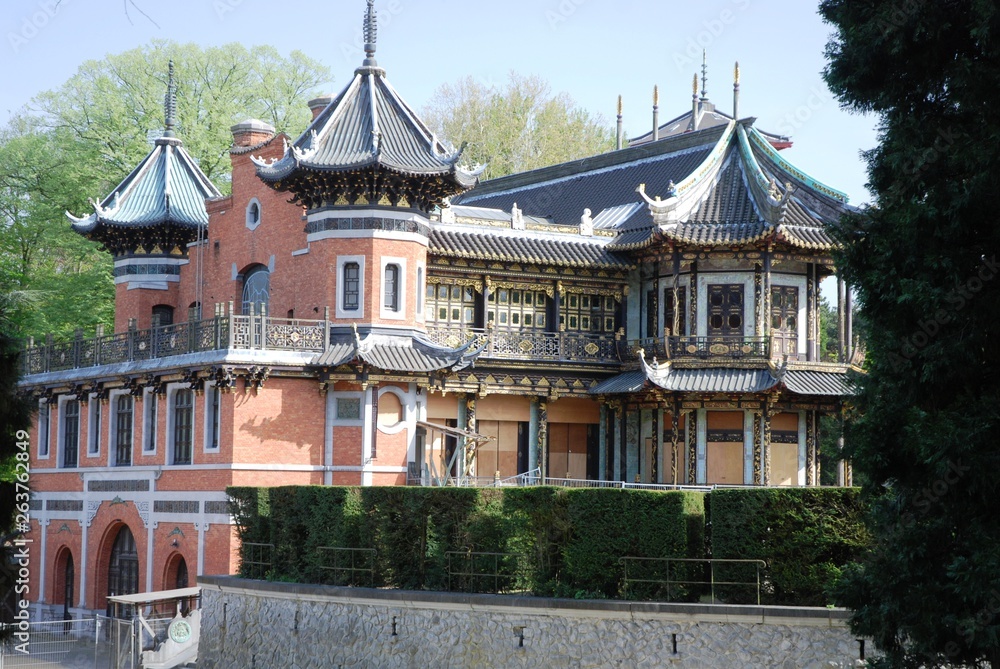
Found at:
(263, 326)
(326, 327)
(131, 339)
(98, 343)
(154, 337)
(47, 359)
(232, 325)
(217, 327)
(77, 345)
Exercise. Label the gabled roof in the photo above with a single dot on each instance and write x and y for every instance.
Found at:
(167, 187)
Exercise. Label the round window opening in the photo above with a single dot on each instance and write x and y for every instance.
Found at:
(390, 411)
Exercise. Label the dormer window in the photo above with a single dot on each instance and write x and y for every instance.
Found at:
(253, 214)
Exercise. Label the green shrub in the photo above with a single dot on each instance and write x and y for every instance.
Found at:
(805, 535)
(609, 524)
(250, 509)
(537, 526)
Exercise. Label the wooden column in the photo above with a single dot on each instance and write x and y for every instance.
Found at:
(675, 421)
(543, 438)
(812, 311)
(849, 324)
(760, 323)
(758, 448)
(692, 446)
(654, 467)
(693, 299)
(841, 341)
(470, 444)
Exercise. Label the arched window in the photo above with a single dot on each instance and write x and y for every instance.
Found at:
(181, 580)
(163, 314)
(123, 430)
(391, 286)
(256, 289)
(253, 214)
(352, 286)
(123, 569)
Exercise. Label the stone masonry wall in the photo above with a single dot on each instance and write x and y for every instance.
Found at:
(262, 625)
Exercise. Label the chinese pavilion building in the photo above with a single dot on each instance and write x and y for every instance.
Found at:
(362, 311)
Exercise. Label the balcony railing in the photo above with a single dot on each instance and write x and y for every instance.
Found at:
(261, 332)
(535, 345)
(212, 334)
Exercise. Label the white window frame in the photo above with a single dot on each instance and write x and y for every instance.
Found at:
(260, 214)
(384, 311)
(359, 396)
(212, 415)
(95, 421)
(44, 437)
(113, 427)
(421, 289)
(360, 311)
(148, 398)
(168, 451)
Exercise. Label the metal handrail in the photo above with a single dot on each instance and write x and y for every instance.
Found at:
(470, 556)
(712, 582)
(259, 566)
(353, 569)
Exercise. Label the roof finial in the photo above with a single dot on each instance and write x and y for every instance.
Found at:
(170, 103)
(736, 91)
(704, 74)
(371, 33)
(656, 113)
(618, 135)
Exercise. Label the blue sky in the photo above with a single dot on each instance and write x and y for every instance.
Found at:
(592, 49)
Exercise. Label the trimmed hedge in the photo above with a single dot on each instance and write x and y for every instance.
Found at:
(806, 536)
(571, 540)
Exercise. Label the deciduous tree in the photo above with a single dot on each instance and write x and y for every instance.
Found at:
(516, 126)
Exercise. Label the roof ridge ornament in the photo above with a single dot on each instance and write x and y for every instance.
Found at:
(371, 34)
(170, 103)
(704, 74)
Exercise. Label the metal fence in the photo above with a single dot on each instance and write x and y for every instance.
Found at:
(348, 566)
(673, 579)
(80, 642)
(477, 571)
(256, 560)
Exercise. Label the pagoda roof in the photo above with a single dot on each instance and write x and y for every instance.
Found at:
(161, 204)
(399, 353)
(369, 125)
(824, 380)
(167, 187)
(725, 185)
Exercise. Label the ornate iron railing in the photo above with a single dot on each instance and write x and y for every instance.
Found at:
(703, 348)
(511, 344)
(211, 334)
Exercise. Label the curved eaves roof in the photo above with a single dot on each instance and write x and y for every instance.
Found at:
(506, 247)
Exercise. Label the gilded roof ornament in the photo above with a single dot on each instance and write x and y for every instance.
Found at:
(170, 103)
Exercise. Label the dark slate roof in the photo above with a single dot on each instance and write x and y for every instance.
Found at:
(716, 380)
(528, 247)
(728, 202)
(369, 125)
(806, 382)
(562, 192)
(628, 382)
(337, 353)
(399, 353)
(709, 234)
(167, 187)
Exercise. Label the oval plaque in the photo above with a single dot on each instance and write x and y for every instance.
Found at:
(718, 349)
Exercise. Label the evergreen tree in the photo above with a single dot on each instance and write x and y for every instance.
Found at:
(923, 263)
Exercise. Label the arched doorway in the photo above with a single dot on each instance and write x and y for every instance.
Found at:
(65, 581)
(123, 568)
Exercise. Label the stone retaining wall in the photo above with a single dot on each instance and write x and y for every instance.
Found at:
(261, 625)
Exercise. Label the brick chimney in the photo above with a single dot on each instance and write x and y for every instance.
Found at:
(251, 132)
(317, 105)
